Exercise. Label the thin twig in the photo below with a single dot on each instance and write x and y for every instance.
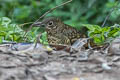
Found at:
(54, 8)
(104, 22)
(107, 18)
(25, 23)
(46, 14)
(37, 40)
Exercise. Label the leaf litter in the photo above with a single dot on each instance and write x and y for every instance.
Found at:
(21, 61)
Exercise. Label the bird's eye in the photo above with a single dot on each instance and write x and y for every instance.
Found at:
(50, 23)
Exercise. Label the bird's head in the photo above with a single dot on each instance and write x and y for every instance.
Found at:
(48, 23)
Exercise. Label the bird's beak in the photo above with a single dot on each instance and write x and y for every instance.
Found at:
(38, 24)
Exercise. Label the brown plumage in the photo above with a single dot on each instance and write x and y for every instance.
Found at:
(58, 32)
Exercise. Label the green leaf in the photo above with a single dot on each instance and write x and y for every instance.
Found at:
(5, 21)
(97, 40)
(1, 39)
(44, 38)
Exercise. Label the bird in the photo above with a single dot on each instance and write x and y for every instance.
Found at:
(58, 32)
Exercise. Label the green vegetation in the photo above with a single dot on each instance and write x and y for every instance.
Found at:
(102, 35)
(13, 32)
(91, 13)
(9, 31)
(74, 13)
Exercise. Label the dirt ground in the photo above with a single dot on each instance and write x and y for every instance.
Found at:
(43, 64)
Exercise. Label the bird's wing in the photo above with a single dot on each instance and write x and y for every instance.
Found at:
(59, 39)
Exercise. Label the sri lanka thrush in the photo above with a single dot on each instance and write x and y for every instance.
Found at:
(58, 32)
